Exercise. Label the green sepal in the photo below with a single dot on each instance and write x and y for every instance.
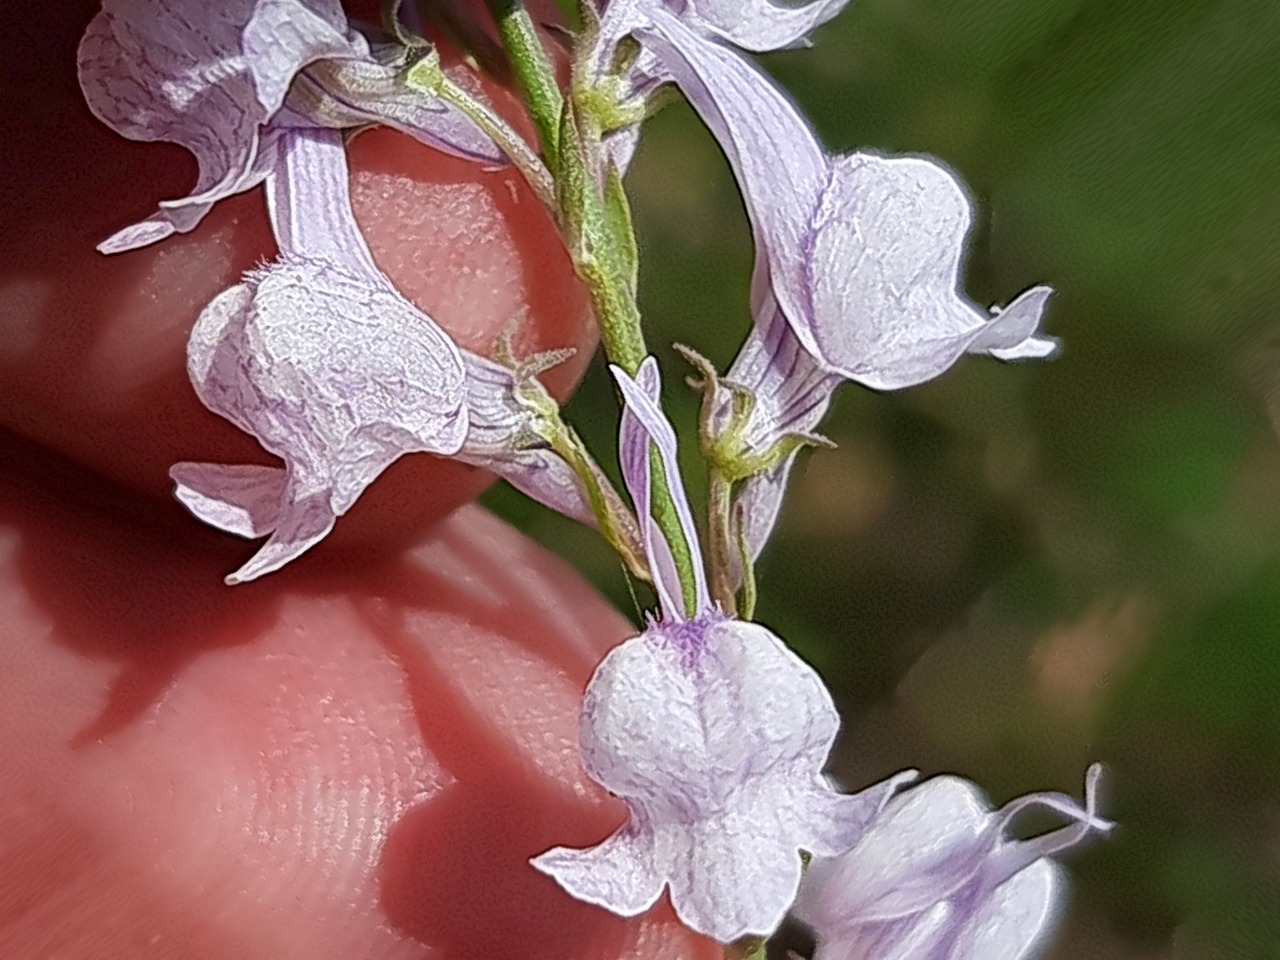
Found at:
(426, 75)
(617, 210)
(572, 192)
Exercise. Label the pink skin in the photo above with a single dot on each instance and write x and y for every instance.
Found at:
(353, 758)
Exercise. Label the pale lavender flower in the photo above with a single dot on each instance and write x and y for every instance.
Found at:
(216, 78)
(320, 358)
(936, 877)
(712, 732)
(858, 256)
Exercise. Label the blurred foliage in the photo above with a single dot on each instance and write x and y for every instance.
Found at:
(1015, 570)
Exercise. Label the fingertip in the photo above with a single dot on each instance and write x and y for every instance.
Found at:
(351, 759)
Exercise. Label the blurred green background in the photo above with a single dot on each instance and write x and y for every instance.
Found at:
(1016, 570)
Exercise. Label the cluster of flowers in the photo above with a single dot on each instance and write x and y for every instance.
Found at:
(710, 729)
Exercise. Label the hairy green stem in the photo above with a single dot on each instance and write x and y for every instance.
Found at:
(599, 236)
(533, 72)
(512, 144)
(722, 547)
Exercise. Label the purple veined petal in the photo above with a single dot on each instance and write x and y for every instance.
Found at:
(928, 842)
(499, 439)
(243, 499)
(303, 522)
(122, 98)
(643, 422)
(633, 454)
(618, 874)
(282, 36)
(309, 203)
(1014, 856)
(156, 70)
(883, 273)
(793, 393)
(1015, 919)
(780, 167)
(923, 936)
(763, 25)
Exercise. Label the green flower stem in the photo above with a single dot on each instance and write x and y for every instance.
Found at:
(533, 72)
(600, 238)
(512, 144)
(747, 606)
(720, 536)
(614, 519)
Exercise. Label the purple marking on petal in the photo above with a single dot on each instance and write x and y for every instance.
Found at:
(309, 202)
(793, 393)
(686, 637)
(633, 455)
(643, 422)
(243, 498)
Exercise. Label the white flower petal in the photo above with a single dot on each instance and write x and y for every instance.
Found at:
(1015, 918)
(303, 523)
(617, 874)
(243, 499)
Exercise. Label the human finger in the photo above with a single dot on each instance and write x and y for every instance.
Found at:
(347, 759)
